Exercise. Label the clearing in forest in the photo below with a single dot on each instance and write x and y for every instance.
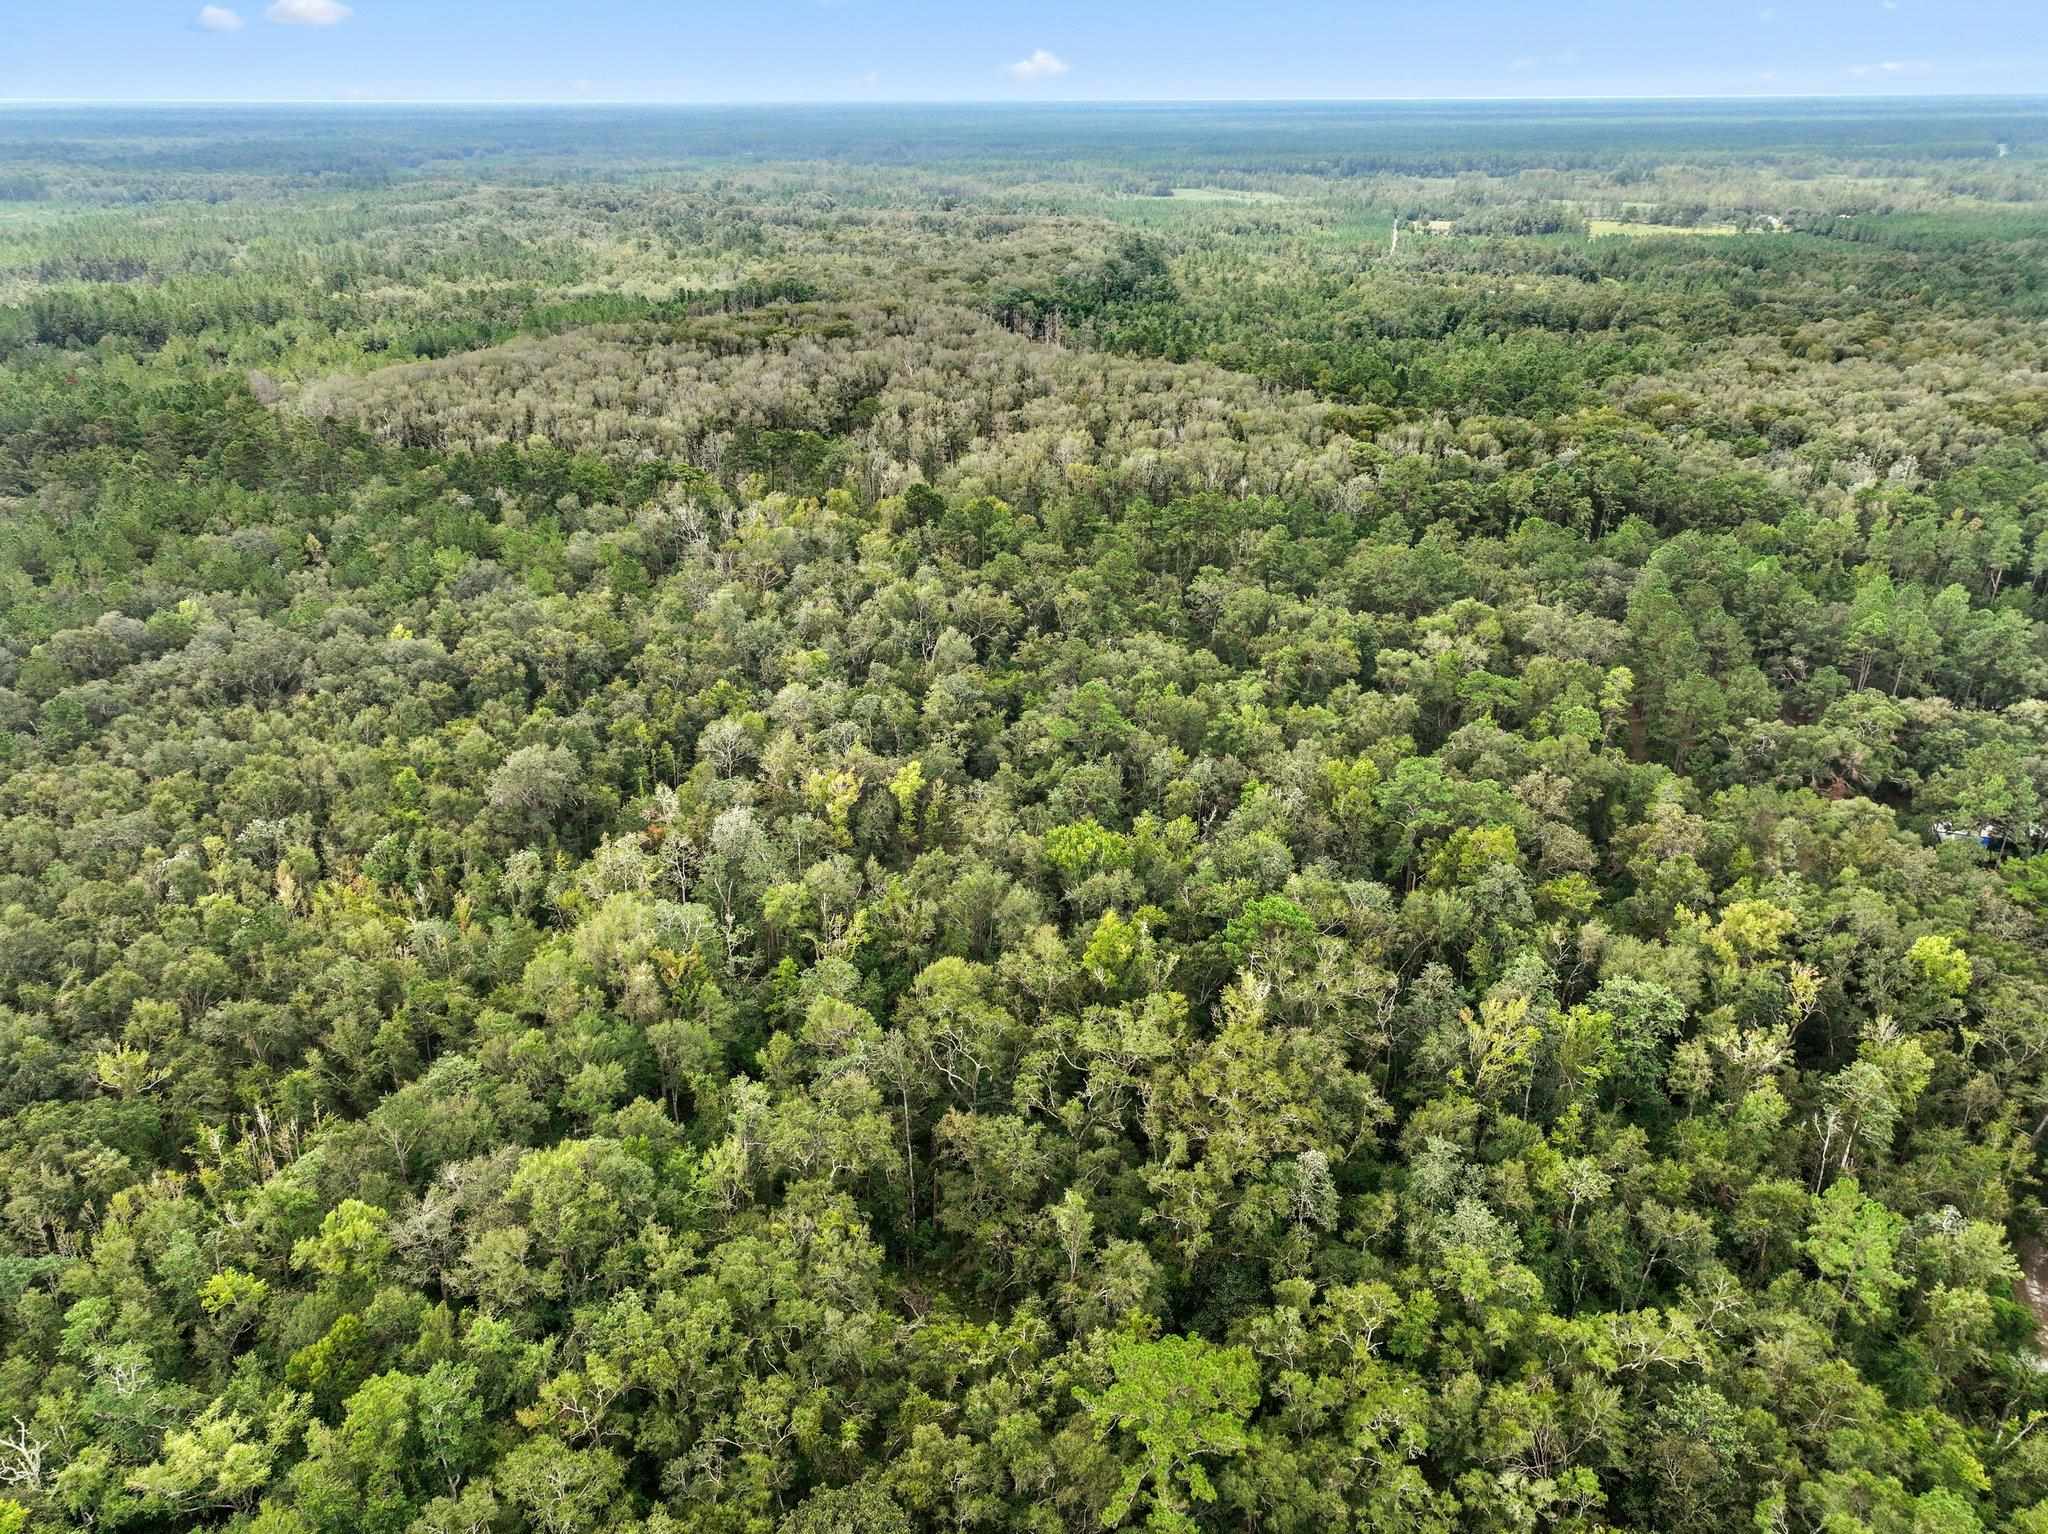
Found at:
(1221, 194)
(1599, 227)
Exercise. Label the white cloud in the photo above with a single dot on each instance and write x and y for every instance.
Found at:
(218, 18)
(309, 13)
(1042, 65)
(1892, 69)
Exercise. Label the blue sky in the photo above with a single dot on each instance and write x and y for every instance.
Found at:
(905, 50)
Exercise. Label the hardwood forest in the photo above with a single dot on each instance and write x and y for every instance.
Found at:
(857, 821)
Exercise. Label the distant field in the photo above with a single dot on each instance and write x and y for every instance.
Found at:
(1598, 227)
(1187, 206)
(1222, 194)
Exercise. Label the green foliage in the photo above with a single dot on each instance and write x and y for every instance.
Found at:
(1086, 848)
(1853, 1239)
(779, 822)
(1180, 1400)
(1946, 967)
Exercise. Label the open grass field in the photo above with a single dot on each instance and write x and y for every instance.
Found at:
(1223, 194)
(1601, 228)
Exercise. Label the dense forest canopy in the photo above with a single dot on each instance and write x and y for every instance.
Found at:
(1283, 818)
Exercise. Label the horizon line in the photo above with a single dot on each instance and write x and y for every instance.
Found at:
(995, 101)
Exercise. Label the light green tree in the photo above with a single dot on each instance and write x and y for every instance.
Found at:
(1182, 1400)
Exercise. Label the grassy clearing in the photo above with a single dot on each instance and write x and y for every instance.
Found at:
(1600, 227)
(1222, 194)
